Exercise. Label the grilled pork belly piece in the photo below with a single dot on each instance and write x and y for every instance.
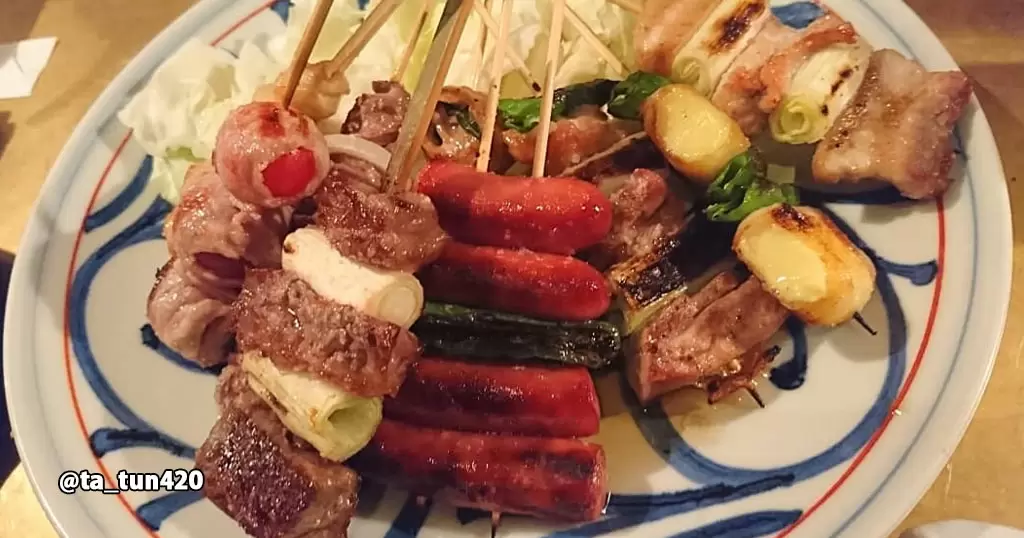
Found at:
(755, 83)
(282, 317)
(664, 27)
(389, 231)
(455, 130)
(210, 222)
(378, 116)
(777, 73)
(190, 316)
(270, 482)
(696, 338)
(645, 213)
(898, 128)
(572, 139)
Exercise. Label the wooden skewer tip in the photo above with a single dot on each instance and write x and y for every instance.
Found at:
(863, 323)
(754, 394)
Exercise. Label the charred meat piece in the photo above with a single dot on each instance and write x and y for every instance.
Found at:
(456, 130)
(561, 479)
(283, 318)
(389, 231)
(572, 139)
(193, 318)
(645, 214)
(898, 128)
(346, 170)
(695, 339)
(378, 116)
(271, 483)
(209, 222)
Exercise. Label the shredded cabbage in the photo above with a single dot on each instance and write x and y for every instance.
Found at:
(176, 115)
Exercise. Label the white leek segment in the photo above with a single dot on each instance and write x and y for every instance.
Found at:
(718, 42)
(819, 91)
(391, 296)
(335, 422)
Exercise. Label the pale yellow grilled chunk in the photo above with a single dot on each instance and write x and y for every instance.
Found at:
(806, 262)
(695, 136)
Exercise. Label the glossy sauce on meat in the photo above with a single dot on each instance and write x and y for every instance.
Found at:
(572, 140)
(397, 232)
(281, 316)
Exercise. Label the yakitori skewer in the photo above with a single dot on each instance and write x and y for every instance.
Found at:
(757, 397)
(863, 323)
(426, 94)
(369, 27)
(497, 61)
(595, 42)
(410, 48)
(517, 61)
(540, 151)
(305, 48)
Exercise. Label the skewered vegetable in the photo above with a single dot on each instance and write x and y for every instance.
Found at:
(335, 422)
(820, 90)
(696, 137)
(807, 263)
(629, 95)
(643, 285)
(393, 296)
(464, 117)
(457, 331)
(741, 188)
(524, 114)
(720, 39)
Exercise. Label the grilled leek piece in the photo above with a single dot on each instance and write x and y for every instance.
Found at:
(806, 262)
(720, 39)
(335, 422)
(392, 296)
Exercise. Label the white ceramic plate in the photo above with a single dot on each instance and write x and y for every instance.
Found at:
(846, 452)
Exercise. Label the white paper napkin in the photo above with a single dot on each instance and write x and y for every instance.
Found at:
(21, 63)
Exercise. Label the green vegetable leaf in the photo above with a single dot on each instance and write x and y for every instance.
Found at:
(524, 114)
(741, 188)
(464, 117)
(629, 95)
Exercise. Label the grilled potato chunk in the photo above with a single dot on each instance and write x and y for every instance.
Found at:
(806, 262)
(696, 137)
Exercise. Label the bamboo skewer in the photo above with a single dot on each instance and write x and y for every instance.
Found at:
(517, 61)
(497, 61)
(305, 48)
(351, 49)
(399, 174)
(632, 6)
(410, 48)
(540, 151)
(485, 37)
(595, 42)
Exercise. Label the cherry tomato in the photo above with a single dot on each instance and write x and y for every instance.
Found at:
(290, 173)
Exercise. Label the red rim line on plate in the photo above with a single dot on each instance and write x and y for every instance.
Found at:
(925, 338)
(861, 456)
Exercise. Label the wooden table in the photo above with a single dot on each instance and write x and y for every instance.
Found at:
(982, 481)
